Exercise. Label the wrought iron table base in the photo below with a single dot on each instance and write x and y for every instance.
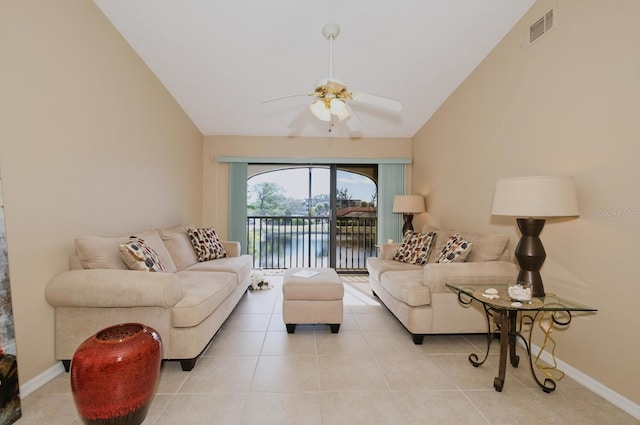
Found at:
(509, 331)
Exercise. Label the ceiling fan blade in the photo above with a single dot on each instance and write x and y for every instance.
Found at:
(382, 102)
(300, 119)
(285, 97)
(352, 121)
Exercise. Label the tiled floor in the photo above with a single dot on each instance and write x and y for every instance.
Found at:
(254, 373)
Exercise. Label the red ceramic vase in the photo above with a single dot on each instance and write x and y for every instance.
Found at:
(114, 374)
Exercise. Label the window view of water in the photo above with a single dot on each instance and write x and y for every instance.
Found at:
(287, 227)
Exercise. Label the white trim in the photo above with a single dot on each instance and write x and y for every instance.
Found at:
(309, 160)
(602, 390)
(40, 380)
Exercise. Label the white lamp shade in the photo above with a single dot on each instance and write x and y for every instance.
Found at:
(540, 196)
(408, 204)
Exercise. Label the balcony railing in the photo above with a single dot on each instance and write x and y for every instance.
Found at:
(292, 241)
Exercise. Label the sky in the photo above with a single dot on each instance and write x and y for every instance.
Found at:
(295, 181)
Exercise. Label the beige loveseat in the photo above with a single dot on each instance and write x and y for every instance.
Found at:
(417, 294)
(187, 304)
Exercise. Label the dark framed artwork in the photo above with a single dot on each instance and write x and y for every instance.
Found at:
(10, 410)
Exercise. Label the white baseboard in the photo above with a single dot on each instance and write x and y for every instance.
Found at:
(46, 376)
(602, 390)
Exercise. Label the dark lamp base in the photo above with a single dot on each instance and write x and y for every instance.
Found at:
(530, 254)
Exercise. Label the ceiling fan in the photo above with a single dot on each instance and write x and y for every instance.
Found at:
(332, 98)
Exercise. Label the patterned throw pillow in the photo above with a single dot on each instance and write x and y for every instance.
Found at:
(138, 255)
(415, 248)
(455, 251)
(206, 244)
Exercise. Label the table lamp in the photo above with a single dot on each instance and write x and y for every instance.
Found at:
(408, 205)
(532, 200)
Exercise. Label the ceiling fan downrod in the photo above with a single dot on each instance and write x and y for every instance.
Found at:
(331, 32)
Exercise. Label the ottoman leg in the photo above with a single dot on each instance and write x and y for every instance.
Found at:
(291, 327)
(335, 327)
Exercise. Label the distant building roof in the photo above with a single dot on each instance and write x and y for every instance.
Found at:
(357, 212)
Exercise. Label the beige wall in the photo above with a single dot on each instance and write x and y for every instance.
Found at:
(568, 104)
(216, 173)
(90, 143)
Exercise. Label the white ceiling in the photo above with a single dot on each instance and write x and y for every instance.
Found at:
(220, 59)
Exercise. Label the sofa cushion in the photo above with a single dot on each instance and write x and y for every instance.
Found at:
(179, 246)
(202, 294)
(153, 239)
(415, 247)
(98, 252)
(407, 287)
(441, 239)
(206, 244)
(487, 247)
(455, 251)
(240, 266)
(138, 255)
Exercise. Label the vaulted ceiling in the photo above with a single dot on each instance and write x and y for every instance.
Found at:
(221, 59)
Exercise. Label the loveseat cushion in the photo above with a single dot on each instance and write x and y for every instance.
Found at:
(179, 246)
(376, 266)
(406, 286)
(202, 294)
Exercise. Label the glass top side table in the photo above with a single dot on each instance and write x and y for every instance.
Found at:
(547, 311)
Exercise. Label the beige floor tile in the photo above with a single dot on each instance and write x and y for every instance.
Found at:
(447, 344)
(281, 343)
(350, 373)
(349, 323)
(378, 322)
(585, 408)
(438, 408)
(391, 342)
(516, 406)
(414, 372)
(172, 377)
(203, 409)
(48, 409)
(282, 409)
(467, 377)
(247, 322)
(286, 374)
(345, 342)
(360, 408)
(221, 375)
(236, 343)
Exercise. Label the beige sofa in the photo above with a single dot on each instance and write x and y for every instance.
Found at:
(187, 304)
(417, 294)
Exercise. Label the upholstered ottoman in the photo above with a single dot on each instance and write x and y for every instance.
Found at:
(312, 296)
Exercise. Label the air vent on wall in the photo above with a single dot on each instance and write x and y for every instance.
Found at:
(541, 26)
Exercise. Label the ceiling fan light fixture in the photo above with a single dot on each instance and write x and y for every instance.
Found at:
(337, 106)
(320, 110)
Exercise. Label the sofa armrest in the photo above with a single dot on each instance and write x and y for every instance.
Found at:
(437, 275)
(232, 248)
(113, 288)
(388, 250)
